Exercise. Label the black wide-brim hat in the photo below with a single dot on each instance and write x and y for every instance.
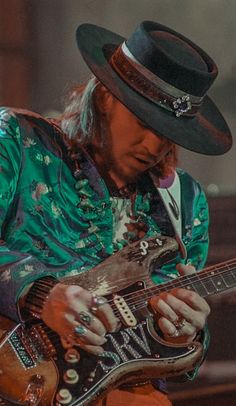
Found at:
(162, 78)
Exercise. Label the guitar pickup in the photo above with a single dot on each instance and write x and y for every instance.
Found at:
(125, 313)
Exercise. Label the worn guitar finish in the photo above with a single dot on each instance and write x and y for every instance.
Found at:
(37, 368)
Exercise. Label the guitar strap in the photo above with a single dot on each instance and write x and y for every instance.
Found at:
(171, 198)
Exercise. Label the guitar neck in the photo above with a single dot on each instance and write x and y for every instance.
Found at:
(210, 281)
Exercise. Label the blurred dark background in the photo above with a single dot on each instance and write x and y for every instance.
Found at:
(39, 62)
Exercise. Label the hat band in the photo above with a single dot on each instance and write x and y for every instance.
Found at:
(151, 86)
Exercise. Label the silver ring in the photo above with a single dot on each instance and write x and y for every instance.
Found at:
(179, 323)
(85, 318)
(80, 330)
(97, 301)
(175, 334)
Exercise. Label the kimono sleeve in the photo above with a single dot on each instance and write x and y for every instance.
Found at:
(17, 269)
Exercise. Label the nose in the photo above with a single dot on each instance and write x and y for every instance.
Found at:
(153, 143)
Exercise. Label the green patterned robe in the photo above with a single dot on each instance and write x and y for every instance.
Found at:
(56, 220)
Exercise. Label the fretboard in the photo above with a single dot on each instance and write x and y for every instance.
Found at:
(210, 281)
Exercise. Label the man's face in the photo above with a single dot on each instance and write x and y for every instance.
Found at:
(130, 148)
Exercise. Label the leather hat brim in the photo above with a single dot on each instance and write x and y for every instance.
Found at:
(206, 133)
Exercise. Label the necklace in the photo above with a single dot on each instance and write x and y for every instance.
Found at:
(126, 191)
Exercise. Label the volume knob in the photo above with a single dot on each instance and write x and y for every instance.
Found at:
(71, 376)
(72, 356)
(64, 397)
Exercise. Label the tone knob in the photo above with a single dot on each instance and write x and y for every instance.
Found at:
(71, 376)
(72, 356)
(64, 397)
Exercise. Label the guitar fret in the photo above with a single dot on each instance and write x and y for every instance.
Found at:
(223, 281)
(219, 283)
(233, 272)
(213, 283)
(230, 279)
(210, 286)
(199, 286)
(206, 282)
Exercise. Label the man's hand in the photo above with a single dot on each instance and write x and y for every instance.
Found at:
(180, 313)
(79, 317)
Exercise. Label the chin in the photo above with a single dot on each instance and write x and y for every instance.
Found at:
(127, 174)
(131, 177)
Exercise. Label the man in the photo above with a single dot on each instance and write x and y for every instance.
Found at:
(77, 190)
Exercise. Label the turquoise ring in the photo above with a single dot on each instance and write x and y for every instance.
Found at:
(80, 330)
(85, 318)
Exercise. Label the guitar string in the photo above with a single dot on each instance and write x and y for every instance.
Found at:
(57, 339)
(182, 281)
(142, 304)
(131, 298)
(178, 282)
(198, 276)
(149, 292)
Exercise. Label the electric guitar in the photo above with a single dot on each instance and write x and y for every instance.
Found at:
(38, 368)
